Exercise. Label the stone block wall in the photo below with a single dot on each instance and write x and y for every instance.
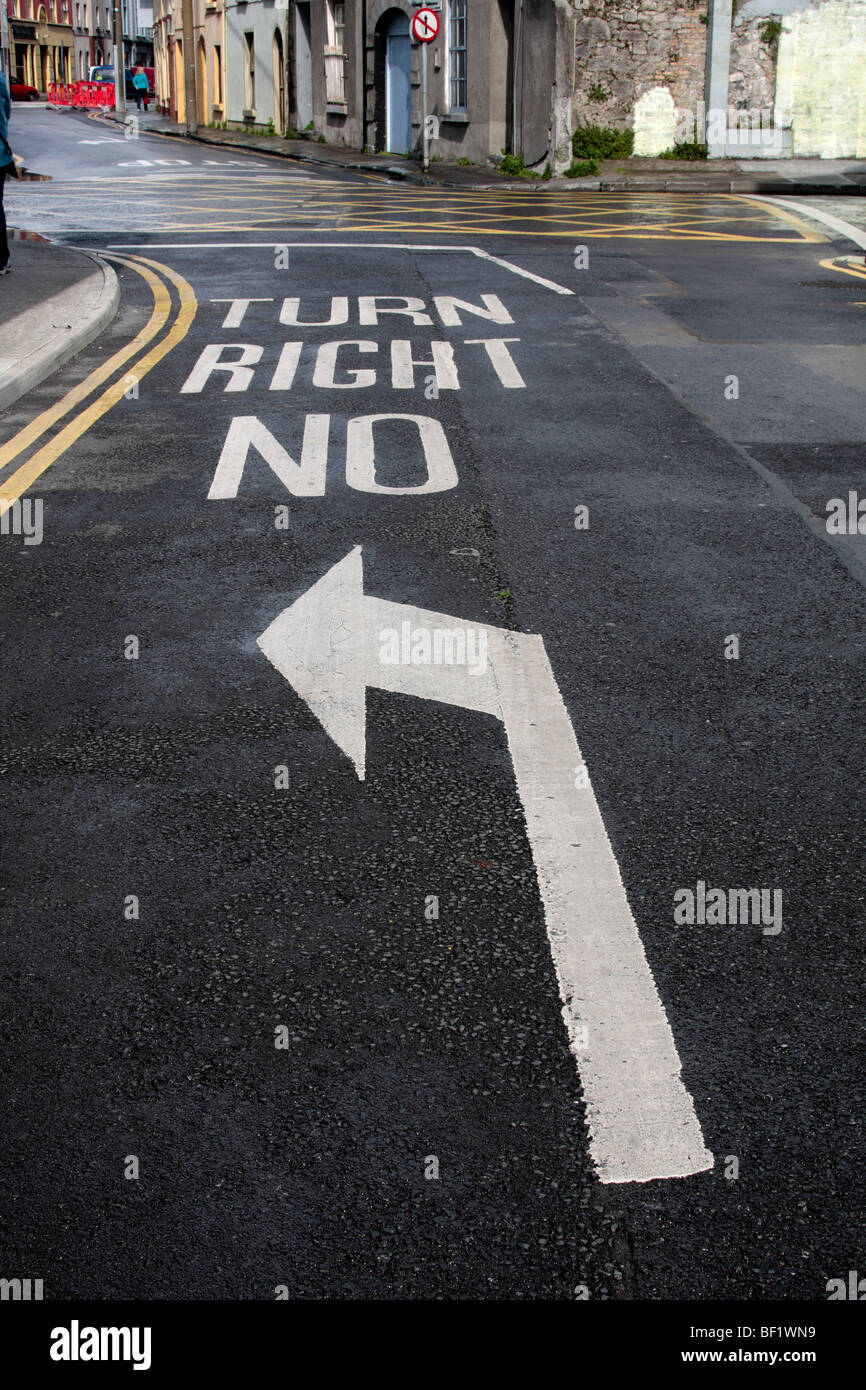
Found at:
(634, 49)
(752, 77)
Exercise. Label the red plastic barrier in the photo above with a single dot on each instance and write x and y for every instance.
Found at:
(81, 93)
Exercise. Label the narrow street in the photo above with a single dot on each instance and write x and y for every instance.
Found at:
(387, 996)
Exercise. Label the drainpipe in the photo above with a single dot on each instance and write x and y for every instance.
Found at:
(362, 69)
(518, 35)
(287, 69)
(119, 61)
(190, 99)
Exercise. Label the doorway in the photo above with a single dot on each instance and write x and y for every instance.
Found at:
(303, 67)
(393, 83)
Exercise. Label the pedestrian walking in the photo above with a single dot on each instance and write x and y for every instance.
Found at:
(142, 87)
(7, 164)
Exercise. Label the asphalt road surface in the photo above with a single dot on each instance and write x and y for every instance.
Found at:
(269, 1025)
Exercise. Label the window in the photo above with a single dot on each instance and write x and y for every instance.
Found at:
(339, 22)
(335, 62)
(218, 74)
(457, 54)
(249, 72)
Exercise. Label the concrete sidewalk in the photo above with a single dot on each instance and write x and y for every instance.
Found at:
(772, 176)
(54, 302)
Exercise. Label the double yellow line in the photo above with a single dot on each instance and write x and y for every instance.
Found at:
(12, 487)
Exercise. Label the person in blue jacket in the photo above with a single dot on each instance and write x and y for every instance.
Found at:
(5, 162)
(142, 87)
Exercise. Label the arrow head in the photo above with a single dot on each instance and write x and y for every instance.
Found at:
(318, 645)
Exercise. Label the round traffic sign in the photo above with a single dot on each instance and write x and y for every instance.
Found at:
(425, 25)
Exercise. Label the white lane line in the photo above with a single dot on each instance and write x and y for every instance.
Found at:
(335, 246)
(838, 224)
(329, 645)
(518, 270)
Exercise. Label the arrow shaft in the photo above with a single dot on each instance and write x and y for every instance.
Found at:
(641, 1118)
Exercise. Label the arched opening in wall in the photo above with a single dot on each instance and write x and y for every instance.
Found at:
(279, 68)
(201, 96)
(392, 86)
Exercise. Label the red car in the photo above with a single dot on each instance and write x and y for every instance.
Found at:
(19, 91)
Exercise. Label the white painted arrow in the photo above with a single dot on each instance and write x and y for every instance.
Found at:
(641, 1118)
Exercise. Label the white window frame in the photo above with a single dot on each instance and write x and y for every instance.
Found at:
(335, 53)
(450, 50)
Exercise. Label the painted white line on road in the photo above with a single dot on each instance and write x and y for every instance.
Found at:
(518, 270)
(328, 645)
(335, 246)
(838, 224)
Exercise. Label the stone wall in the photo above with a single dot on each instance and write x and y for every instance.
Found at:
(752, 78)
(630, 51)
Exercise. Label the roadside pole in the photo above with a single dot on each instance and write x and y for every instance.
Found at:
(425, 27)
(190, 101)
(425, 144)
(5, 55)
(119, 61)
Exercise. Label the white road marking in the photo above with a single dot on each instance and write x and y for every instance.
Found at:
(518, 270)
(642, 1120)
(206, 175)
(336, 245)
(838, 224)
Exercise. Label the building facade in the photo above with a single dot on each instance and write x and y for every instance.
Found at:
(747, 77)
(356, 76)
(60, 40)
(208, 43)
(41, 41)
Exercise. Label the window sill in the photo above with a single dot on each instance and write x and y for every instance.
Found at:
(454, 118)
(337, 108)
